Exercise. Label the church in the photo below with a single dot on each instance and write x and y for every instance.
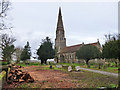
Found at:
(63, 53)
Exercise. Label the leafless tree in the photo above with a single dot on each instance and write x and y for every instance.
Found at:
(111, 37)
(6, 40)
(4, 7)
(18, 53)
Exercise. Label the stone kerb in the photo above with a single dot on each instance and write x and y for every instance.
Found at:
(2, 78)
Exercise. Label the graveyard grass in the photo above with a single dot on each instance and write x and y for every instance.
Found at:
(108, 69)
(83, 79)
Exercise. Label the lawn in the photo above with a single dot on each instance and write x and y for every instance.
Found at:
(108, 69)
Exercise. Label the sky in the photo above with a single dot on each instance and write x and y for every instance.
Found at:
(84, 21)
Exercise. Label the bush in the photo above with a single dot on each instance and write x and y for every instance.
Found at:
(112, 86)
(34, 63)
(73, 67)
(65, 66)
(4, 63)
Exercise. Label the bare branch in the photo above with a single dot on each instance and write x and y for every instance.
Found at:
(6, 40)
(5, 6)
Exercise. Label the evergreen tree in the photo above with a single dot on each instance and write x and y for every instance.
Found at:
(7, 47)
(88, 52)
(7, 52)
(45, 51)
(26, 53)
(111, 49)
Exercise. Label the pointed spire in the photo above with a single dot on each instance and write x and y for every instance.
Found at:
(60, 22)
(60, 11)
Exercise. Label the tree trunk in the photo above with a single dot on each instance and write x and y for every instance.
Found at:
(87, 63)
(119, 72)
(115, 63)
(45, 61)
(57, 59)
(41, 61)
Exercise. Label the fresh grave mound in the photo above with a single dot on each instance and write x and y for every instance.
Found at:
(17, 75)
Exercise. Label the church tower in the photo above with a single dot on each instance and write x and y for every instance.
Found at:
(60, 41)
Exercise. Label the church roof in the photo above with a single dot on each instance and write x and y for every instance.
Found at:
(74, 48)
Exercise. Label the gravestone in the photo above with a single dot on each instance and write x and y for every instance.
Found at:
(27, 64)
(59, 66)
(77, 68)
(69, 68)
(96, 65)
(65, 67)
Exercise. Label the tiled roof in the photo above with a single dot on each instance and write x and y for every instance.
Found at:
(75, 48)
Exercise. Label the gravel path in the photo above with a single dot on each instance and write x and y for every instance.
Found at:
(101, 72)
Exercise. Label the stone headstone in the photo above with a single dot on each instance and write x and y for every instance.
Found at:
(69, 68)
(77, 68)
(59, 66)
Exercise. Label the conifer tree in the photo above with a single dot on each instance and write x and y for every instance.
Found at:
(26, 53)
(45, 50)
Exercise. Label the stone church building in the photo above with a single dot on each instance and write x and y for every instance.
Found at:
(65, 53)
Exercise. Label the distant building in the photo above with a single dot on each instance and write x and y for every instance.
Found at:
(67, 53)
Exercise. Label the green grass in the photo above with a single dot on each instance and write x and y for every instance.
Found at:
(108, 69)
(30, 64)
(27, 86)
(94, 80)
(44, 81)
(4, 63)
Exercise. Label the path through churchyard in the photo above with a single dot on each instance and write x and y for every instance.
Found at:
(102, 72)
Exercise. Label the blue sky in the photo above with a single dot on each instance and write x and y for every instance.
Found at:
(83, 21)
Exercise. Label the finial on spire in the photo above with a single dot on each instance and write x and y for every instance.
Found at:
(59, 11)
(60, 22)
(59, 7)
(82, 43)
(97, 40)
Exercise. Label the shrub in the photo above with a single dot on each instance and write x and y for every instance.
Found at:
(73, 67)
(4, 63)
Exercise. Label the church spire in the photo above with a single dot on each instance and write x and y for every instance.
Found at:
(60, 41)
(60, 22)
(60, 11)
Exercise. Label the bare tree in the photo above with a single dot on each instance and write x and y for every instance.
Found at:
(111, 37)
(4, 7)
(6, 40)
(18, 53)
